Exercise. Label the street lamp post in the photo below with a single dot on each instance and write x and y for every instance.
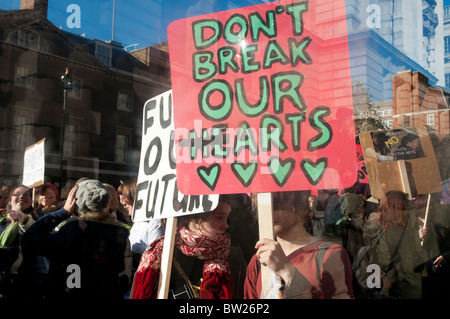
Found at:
(66, 82)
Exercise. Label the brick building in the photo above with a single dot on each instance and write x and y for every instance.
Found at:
(103, 108)
(417, 103)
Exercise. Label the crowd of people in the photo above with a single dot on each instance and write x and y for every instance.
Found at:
(82, 243)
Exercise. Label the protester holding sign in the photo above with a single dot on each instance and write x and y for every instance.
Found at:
(305, 266)
(93, 247)
(399, 251)
(434, 219)
(201, 260)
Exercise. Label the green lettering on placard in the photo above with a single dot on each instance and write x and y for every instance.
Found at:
(204, 68)
(248, 63)
(245, 139)
(295, 120)
(227, 60)
(235, 21)
(220, 137)
(286, 86)
(198, 32)
(297, 51)
(221, 111)
(258, 108)
(321, 126)
(258, 25)
(296, 11)
(272, 131)
(274, 53)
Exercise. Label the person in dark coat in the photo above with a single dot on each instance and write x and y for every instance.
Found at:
(89, 255)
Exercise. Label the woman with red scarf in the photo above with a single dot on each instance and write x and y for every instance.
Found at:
(200, 266)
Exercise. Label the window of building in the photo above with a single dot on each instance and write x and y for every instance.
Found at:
(388, 123)
(430, 119)
(75, 91)
(103, 53)
(21, 132)
(27, 39)
(70, 138)
(447, 44)
(447, 80)
(24, 76)
(121, 148)
(406, 121)
(123, 101)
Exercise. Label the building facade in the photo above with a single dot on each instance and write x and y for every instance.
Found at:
(103, 107)
(391, 36)
(417, 103)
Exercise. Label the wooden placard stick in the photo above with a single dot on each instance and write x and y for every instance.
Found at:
(167, 258)
(265, 222)
(426, 215)
(404, 178)
(33, 198)
(426, 211)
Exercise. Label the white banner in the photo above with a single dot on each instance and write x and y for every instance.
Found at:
(157, 194)
(34, 165)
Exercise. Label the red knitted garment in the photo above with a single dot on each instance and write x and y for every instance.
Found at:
(216, 283)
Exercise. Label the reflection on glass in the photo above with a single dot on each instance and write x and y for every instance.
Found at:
(396, 86)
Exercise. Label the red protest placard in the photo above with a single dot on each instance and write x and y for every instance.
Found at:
(263, 99)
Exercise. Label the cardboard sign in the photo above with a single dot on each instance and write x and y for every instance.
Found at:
(34, 165)
(263, 99)
(401, 159)
(157, 194)
(397, 144)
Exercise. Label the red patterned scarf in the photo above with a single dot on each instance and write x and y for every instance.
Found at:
(216, 283)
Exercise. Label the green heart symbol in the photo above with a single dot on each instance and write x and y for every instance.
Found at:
(281, 170)
(245, 172)
(314, 171)
(209, 175)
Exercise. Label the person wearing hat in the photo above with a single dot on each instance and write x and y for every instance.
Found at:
(48, 199)
(89, 255)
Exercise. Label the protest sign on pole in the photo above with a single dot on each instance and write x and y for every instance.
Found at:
(34, 165)
(157, 194)
(401, 159)
(263, 100)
